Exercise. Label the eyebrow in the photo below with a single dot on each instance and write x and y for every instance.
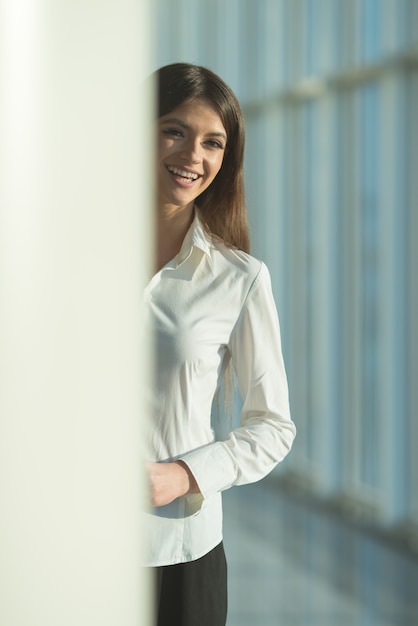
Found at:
(176, 120)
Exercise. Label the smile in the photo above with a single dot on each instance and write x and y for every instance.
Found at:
(183, 173)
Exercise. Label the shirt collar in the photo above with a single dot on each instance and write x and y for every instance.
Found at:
(196, 237)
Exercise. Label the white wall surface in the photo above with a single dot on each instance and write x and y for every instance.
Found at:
(74, 233)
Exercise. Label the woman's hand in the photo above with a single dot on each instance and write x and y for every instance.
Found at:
(168, 481)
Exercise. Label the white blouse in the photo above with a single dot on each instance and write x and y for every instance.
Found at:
(212, 303)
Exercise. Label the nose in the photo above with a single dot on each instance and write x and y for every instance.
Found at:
(191, 151)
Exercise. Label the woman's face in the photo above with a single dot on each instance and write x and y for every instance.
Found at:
(191, 146)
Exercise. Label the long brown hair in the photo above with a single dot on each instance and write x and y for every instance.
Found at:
(222, 204)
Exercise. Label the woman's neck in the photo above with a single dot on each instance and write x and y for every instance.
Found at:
(172, 226)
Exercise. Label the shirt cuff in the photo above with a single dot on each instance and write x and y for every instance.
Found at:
(213, 468)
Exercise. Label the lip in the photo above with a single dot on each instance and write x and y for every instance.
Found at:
(183, 174)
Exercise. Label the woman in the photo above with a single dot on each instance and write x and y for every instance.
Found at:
(211, 307)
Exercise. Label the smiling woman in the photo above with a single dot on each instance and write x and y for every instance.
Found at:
(210, 307)
(191, 148)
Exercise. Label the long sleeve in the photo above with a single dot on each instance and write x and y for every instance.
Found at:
(266, 432)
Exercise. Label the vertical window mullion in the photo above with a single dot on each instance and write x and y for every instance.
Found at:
(392, 416)
(370, 283)
(298, 357)
(352, 304)
(412, 286)
(325, 371)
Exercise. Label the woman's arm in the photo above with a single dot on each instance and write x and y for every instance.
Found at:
(266, 432)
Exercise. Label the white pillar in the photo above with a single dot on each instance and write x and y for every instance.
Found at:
(74, 241)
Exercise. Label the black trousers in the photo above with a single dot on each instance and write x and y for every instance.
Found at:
(194, 593)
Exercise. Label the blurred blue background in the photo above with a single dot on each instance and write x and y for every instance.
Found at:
(329, 90)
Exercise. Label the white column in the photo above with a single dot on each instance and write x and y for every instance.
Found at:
(74, 225)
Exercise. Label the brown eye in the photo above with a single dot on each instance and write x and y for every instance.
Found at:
(213, 143)
(174, 132)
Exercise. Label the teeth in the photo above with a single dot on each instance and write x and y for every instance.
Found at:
(182, 173)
